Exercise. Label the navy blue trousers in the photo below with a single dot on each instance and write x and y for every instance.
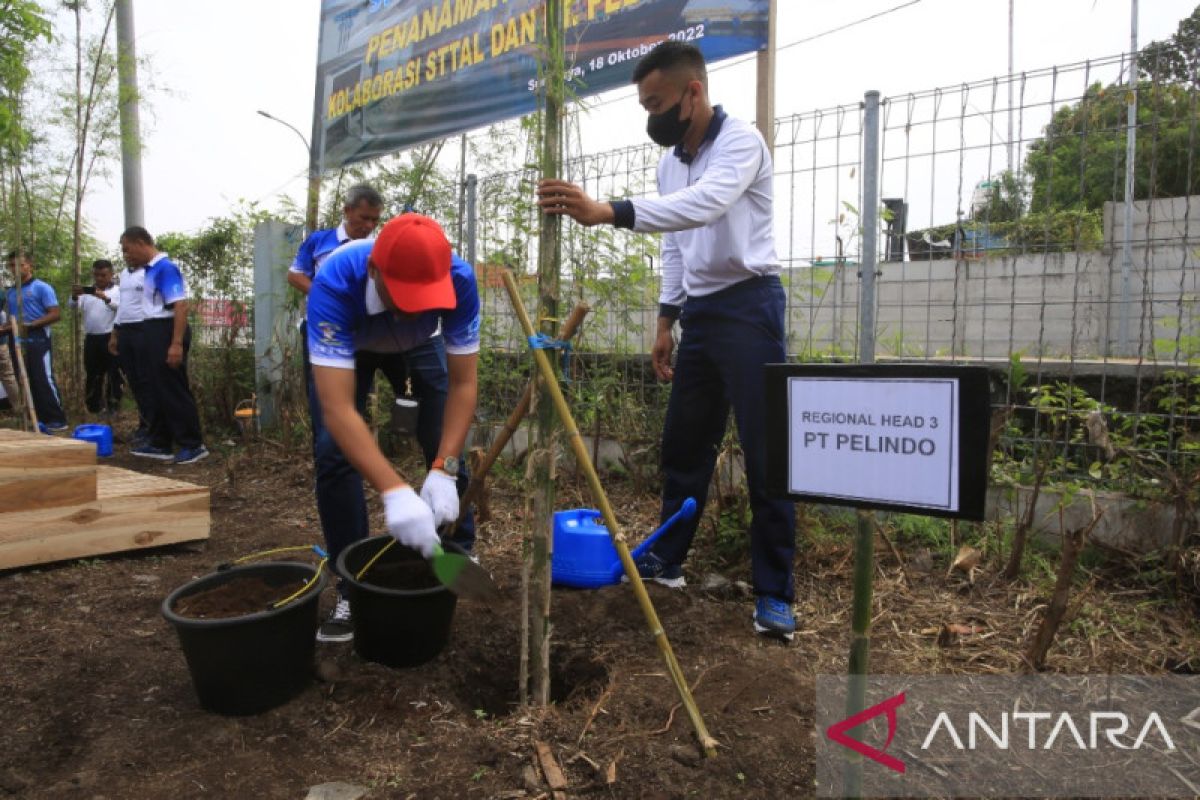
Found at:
(135, 363)
(39, 367)
(341, 502)
(726, 339)
(175, 423)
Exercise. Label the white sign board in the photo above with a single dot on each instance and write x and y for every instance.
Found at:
(875, 440)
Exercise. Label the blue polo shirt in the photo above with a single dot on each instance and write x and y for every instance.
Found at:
(164, 286)
(37, 297)
(345, 313)
(316, 248)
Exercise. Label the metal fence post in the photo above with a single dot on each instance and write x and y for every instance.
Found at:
(472, 218)
(870, 229)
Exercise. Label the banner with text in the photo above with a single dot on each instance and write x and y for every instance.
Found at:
(395, 73)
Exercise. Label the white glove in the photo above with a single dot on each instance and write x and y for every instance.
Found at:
(440, 491)
(409, 521)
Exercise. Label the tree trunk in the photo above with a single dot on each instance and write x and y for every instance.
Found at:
(1072, 546)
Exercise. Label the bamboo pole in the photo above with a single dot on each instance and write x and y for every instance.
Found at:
(16, 323)
(551, 387)
(514, 420)
(544, 452)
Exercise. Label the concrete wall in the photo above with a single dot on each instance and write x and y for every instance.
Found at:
(1057, 305)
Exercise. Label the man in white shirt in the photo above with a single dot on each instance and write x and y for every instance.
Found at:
(98, 305)
(128, 344)
(720, 280)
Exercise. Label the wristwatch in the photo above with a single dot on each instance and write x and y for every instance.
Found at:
(448, 465)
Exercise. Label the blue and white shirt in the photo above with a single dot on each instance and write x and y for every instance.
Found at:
(317, 247)
(345, 314)
(164, 286)
(37, 297)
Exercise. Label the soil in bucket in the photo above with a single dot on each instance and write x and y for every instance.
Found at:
(401, 613)
(245, 595)
(259, 659)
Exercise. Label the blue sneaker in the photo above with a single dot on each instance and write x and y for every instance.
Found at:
(190, 455)
(150, 451)
(773, 617)
(653, 568)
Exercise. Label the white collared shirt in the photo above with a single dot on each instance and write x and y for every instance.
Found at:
(129, 297)
(98, 316)
(716, 213)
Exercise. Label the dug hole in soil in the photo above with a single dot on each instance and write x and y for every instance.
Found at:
(98, 701)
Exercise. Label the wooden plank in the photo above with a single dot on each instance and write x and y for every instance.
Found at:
(37, 451)
(29, 489)
(132, 511)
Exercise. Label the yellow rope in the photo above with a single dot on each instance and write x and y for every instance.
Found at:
(308, 585)
(374, 558)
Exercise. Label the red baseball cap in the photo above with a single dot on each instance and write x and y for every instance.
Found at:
(412, 255)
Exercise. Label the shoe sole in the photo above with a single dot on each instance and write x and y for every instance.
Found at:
(194, 460)
(342, 637)
(773, 633)
(163, 457)
(670, 583)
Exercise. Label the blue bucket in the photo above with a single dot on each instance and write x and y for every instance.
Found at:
(584, 556)
(100, 435)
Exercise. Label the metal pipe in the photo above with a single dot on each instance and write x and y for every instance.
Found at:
(131, 137)
(870, 228)
(1127, 224)
(472, 218)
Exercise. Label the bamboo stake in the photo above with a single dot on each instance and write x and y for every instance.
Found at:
(707, 742)
(543, 453)
(22, 375)
(514, 420)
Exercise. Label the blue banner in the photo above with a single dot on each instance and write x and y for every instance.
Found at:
(395, 73)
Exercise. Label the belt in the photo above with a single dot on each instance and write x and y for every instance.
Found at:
(121, 325)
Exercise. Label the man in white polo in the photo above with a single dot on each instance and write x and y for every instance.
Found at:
(720, 281)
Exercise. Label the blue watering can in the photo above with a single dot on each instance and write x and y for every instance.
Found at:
(584, 555)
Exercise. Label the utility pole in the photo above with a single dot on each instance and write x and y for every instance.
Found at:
(1123, 313)
(1010, 85)
(765, 91)
(131, 137)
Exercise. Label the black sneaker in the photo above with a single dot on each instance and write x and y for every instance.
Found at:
(653, 568)
(338, 627)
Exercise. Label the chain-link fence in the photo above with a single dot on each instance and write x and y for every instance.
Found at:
(1004, 240)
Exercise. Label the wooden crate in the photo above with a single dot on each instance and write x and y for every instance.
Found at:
(132, 510)
(38, 471)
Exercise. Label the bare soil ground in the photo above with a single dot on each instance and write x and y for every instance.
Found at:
(97, 700)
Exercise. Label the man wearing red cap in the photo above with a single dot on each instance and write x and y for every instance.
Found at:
(404, 304)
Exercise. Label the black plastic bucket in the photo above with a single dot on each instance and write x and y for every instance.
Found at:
(248, 664)
(396, 627)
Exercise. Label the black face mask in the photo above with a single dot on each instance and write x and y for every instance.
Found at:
(667, 129)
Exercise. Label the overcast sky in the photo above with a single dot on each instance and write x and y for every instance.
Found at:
(221, 60)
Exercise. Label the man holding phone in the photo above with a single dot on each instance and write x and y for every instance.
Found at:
(98, 305)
